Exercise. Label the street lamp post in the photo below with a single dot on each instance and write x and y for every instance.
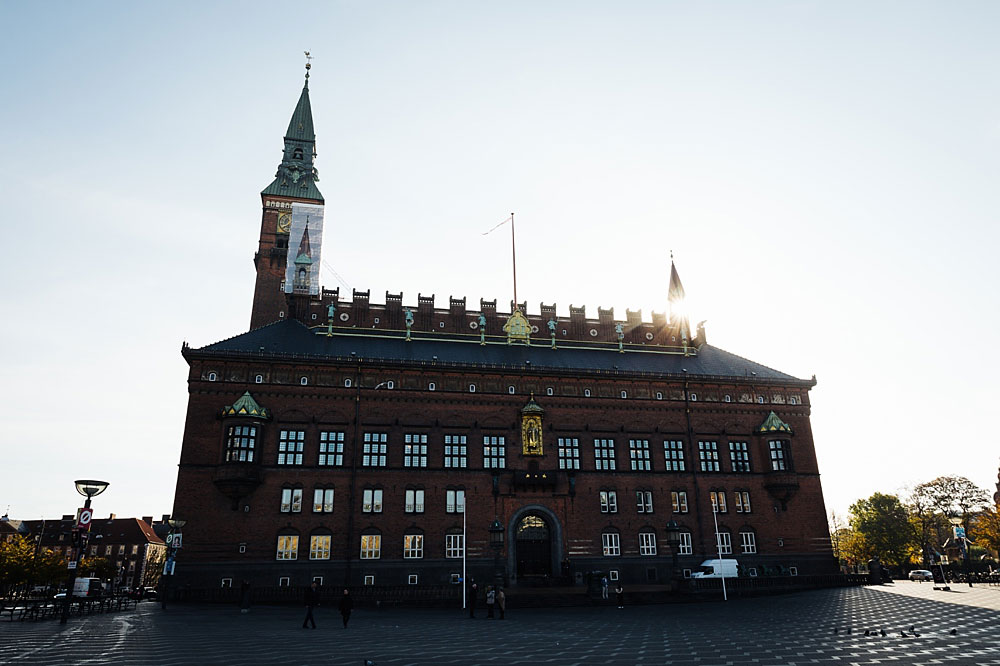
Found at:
(173, 545)
(674, 541)
(958, 531)
(88, 488)
(496, 542)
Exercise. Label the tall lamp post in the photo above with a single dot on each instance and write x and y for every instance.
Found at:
(173, 545)
(89, 489)
(958, 531)
(674, 541)
(496, 542)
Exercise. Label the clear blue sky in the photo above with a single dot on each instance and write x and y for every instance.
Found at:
(826, 174)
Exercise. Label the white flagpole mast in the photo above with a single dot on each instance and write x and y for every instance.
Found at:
(513, 254)
(718, 546)
(465, 583)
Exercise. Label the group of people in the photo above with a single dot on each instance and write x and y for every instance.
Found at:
(495, 599)
(619, 592)
(312, 600)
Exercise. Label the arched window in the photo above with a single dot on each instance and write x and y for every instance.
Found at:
(647, 541)
(371, 544)
(611, 543)
(413, 544)
(288, 545)
(320, 542)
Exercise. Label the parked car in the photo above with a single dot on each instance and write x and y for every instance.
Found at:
(149, 593)
(921, 574)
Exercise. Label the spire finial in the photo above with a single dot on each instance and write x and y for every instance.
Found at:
(308, 65)
(671, 255)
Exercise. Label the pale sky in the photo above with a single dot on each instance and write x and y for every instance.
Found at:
(825, 173)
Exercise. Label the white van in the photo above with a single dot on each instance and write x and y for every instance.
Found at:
(717, 569)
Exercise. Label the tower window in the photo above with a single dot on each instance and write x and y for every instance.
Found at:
(259, 379)
(586, 393)
(510, 389)
(304, 381)
(548, 391)
(297, 154)
(431, 386)
(212, 376)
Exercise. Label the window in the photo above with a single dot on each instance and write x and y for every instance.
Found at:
(569, 453)
(609, 501)
(548, 391)
(708, 456)
(624, 394)
(644, 501)
(586, 393)
(455, 578)
(718, 499)
(724, 543)
(304, 381)
(659, 395)
(319, 547)
(318, 579)
(288, 547)
(212, 376)
(347, 382)
(727, 398)
(472, 388)
(390, 384)
(611, 544)
(454, 501)
(792, 399)
(739, 456)
(679, 500)
(604, 453)
(284, 581)
(331, 448)
(778, 459)
(291, 500)
(413, 546)
(371, 547)
(240, 441)
(638, 453)
(510, 389)
(243, 548)
(431, 386)
(227, 582)
(742, 501)
(647, 543)
(694, 397)
(371, 501)
(374, 449)
(748, 542)
(415, 450)
(323, 500)
(414, 501)
(613, 574)
(453, 545)
(369, 579)
(494, 452)
(760, 399)
(290, 447)
(673, 452)
(455, 453)
(259, 379)
(793, 571)
(685, 546)
(135, 549)
(412, 579)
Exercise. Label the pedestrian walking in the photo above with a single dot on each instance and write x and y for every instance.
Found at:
(311, 599)
(501, 601)
(345, 606)
(620, 595)
(491, 600)
(604, 587)
(473, 590)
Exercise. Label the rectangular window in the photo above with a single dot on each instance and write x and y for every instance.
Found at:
(135, 549)
(725, 543)
(331, 449)
(414, 450)
(718, 501)
(748, 542)
(685, 545)
(673, 452)
(288, 548)
(412, 579)
(374, 450)
(604, 454)
(739, 456)
(290, 444)
(319, 547)
(569, 453)
(371, 501)
(455, 453)
(742, 501)
(494, 452)
(227, 582)
(240, 441)
(638, 453)
(291, 500)
(284, 581)
(708, 456)
(679, 500)
(413, 546)
(323, 500)
(609, 501)
(611, 544)
(414, 501)
(453, 545)
(454, 501)
(369, 579)
(644, 501)
(371, 546)
(778, 462)
(647, 543)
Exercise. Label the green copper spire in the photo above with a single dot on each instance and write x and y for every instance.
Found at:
(296, 175)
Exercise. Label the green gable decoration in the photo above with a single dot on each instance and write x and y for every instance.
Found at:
(774, 424)
(246, 406)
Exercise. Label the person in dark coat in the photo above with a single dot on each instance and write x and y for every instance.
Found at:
(473, 589)
(620, 595)
(311, 599)
(346, 604)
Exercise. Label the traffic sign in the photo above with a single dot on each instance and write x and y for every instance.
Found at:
(83, 518)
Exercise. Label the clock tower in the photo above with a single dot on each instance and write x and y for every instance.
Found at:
(295, 182)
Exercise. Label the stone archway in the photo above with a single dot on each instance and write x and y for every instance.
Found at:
(534, 538)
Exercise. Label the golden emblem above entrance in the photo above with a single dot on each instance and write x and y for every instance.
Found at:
(531, 428)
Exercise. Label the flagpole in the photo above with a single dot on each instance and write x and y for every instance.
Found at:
(718, 546)
(465, 583)
(513, 253)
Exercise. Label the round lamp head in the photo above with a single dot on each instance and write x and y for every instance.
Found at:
(673, 533)
(176, 523)
(90, 488)
(496, 534)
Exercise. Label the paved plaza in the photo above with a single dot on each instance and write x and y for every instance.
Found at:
(818, 627)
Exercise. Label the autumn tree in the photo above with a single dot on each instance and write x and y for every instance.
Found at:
(987, 528)
(883, 525)
(954, 497)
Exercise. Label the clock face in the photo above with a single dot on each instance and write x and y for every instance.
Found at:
(284, 223)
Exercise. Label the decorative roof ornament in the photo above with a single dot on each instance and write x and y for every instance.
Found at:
(774, 424)
(517, 327)
(246, 406)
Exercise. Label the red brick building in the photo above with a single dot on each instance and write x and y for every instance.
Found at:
(342, 439)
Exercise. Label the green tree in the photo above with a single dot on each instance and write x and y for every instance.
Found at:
(954, 497)
(15, 564)
(98, 567)
(883, 524)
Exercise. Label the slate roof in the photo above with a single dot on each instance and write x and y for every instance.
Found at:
(292, 340)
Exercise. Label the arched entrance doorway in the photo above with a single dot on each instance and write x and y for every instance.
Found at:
(533, 544)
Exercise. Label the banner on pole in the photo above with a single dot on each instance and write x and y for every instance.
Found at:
(305, 242)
